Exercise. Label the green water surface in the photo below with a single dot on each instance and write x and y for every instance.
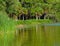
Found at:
(39, 35)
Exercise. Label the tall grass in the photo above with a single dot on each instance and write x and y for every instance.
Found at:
(7, 28)
(5, 23)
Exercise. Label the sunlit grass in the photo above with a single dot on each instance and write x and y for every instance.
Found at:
(7, 28)
(5, 23)
(33, 21)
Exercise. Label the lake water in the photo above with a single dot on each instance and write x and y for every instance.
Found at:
(37, 35)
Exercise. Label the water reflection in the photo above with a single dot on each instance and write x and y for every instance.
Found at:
(38, 35)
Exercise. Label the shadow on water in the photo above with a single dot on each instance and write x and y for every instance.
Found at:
(37, 35)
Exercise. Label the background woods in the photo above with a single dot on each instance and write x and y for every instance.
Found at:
(30, 9)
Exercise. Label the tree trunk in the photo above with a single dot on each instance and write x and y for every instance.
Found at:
(14, 17)
(23, 18)
(36, 17)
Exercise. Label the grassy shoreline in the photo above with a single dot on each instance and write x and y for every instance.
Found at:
(33, 21)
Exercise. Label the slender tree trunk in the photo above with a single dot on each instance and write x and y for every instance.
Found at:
(15, 17)
(19, 16)
(23, 18)
(36, 17)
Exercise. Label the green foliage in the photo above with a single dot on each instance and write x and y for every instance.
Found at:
(15, 6)
(24, 10)
(53, 1)
(5, 23)
(2, 5)
(33, 21)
